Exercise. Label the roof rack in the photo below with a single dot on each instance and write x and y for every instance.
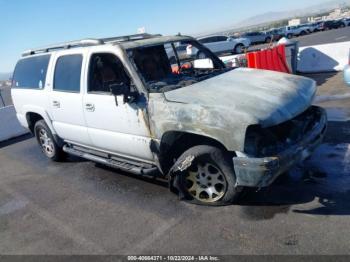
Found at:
(88, 42)
(129, 38)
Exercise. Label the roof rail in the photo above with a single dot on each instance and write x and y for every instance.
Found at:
(67, 45)
(129, 38)
(88, 42)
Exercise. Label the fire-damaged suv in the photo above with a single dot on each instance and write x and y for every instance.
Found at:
(210, 130)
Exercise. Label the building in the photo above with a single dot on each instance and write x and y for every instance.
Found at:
(297, 21)
(313, 19)
(337, 13)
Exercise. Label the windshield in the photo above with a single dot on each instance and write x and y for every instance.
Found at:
(174, 65)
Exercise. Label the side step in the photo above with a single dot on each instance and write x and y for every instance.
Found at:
(133, 167)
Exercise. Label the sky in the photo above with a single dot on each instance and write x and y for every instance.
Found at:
(26, 24)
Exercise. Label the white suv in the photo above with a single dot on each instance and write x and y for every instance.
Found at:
(220, 44)
(124, 103)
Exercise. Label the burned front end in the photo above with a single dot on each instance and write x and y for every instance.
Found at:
(271, 151)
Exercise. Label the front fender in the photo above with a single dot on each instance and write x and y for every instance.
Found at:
(195, 119)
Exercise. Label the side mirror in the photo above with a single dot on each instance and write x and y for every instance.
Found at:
(119, 89)
(122, 89)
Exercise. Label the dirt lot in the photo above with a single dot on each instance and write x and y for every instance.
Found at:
(78, 207)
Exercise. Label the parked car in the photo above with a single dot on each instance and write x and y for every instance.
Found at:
(292, 31)
(347, 73)
(346, 21)
(220, 44)
(257, 37)
(334, 24)
(315, 27)
(319, 26)
(210, 131)
(276, 34)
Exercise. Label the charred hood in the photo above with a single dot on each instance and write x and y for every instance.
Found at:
(264, 97)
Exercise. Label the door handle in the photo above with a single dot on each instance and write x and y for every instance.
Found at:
(90, 107)
(56, 104)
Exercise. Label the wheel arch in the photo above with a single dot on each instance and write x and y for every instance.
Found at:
(33, 114)
(32, 118)
(237, 45)
(174, 143)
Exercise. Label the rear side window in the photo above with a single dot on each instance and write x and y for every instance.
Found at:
(31, 72)
(67, 73)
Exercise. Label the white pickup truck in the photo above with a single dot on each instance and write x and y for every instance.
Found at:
(210, 131)
(300, 30)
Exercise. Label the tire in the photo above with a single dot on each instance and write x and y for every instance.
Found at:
(47, 142)
(302, 33)
(290, 36)
(268, 40)
(210, 178)
(342, 25)
(239, 49)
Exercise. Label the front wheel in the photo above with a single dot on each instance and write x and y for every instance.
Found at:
(47, 142)
(210, 178)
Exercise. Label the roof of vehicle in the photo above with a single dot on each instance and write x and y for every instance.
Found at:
(126, 42)
(153, 41)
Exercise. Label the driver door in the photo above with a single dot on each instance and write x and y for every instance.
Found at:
(113, 125)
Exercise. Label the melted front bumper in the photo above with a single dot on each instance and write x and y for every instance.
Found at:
(262, 172)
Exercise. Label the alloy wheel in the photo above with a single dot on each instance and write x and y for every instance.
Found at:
(46, 143)
(206, 183)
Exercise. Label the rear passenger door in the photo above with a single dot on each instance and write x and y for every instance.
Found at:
(223, 44)
(217, 44)
(65, 100)
(211, 43)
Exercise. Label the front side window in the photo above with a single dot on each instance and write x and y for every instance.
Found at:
(164, 68)
(31, 72)
(67, 73)
(106, 72)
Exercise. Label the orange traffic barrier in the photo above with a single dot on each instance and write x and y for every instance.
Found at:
(276, 58)
(251, 60)
(282, 58)
(271, 59)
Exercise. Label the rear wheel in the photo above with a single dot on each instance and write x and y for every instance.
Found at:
(290, 36)
(303, 33)
(239, 49)
(210, 179)
(268, 40)
(47, 142)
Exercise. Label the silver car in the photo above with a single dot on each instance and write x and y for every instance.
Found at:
(221, 44)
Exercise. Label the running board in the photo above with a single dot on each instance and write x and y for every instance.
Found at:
(125, 165)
